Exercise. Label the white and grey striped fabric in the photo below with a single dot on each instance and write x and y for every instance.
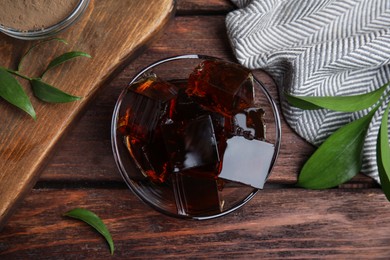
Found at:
(319, 48)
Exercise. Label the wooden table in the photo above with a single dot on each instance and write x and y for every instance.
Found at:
(281, 221)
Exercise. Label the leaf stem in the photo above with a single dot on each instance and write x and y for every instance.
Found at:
(17, 73)
(36, 45)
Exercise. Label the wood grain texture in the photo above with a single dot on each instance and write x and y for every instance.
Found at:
(111, 40)
(203, 7)
(195, 34)
(277, 223)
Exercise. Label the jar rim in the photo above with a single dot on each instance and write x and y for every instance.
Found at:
(50, 30)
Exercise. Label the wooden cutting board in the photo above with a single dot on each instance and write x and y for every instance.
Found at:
(112, 32)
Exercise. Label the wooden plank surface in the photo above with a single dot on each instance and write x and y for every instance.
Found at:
(196, 7)
(195, 34)
(279, 222)
(111, 40)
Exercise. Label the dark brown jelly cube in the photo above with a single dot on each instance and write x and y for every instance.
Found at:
(155, 171)
(221, 87)
(140, 117)
(191, 144)
(150, 157)
(144, 105)
(186, 108)
(155, 88)
(196, 195)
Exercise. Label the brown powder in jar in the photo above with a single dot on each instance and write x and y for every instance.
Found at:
(27, 15)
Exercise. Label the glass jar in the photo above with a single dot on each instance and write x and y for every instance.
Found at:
(50, 30)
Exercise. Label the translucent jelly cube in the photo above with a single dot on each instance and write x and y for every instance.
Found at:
(194, 160)
(191, 144)
(151, 158)
(155, 88)
(221, 87)
(145, 103)
(186, 108)
(195, 195)
(141, 116)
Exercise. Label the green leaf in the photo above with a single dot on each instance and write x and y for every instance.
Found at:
(93, 220)
(300, 102)
(36, 45)
(337, 103)
(12, 91)
(338, 159)
(48, 93)
(383, 153)
(63, 58)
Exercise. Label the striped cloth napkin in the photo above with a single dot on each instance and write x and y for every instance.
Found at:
(317, 48)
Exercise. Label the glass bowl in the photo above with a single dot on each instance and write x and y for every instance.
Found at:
(48, 31)
(185, 187)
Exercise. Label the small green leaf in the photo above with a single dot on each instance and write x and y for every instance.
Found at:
(36, 45)
(12, 91)
(338, 159)
(63, 58)
(337, 103)
(48, 93)
(383, 154)
(93, 220)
